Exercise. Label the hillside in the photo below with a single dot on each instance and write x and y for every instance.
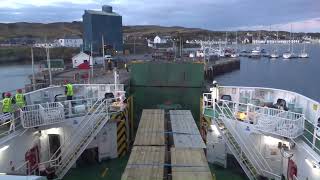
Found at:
(61, 29)
(52, 31)
(39, 31)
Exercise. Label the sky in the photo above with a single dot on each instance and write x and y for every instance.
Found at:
(304, 15)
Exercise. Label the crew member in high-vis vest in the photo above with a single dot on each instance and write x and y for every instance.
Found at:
(69, 90)
(7, 104)
(20, 99)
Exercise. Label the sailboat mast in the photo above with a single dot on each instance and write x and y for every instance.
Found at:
(259, 40)
(226, 40)
(103, 53)
(236, 41)
(291, 40)
(277, 40)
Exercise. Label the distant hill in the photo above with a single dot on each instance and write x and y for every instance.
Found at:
(38, 30)
(61, 29)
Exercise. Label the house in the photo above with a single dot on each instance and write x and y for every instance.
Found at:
(160, 40)
(80, 59)
(70, 42)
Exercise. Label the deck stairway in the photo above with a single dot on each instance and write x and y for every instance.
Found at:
(250, 159)
(76, 143)
(242, 147)
(10, 127)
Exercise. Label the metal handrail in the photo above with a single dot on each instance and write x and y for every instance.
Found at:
(86, 123)
(25, 163)
(234, 118)
(259, 107)
(86, 126)
(89, 127)
(283, 117)
(247, 152)
(257, 154)
(83, 120)
(216, 105)
(12, 127)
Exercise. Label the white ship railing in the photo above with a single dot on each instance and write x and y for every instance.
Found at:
(75, 144)
(247, 146)
(81, 90)
(31, 116)
(269, 120)
(275, 121)
(56, 112)
(9, 125)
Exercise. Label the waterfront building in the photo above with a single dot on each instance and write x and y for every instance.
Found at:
(70, 42)
(105, 24)
(80, 59)
(160, 40)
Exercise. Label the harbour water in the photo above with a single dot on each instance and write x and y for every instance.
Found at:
(299, 75)
(14, 76)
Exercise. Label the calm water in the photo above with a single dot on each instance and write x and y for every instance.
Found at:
(299, 75)
(13, 77)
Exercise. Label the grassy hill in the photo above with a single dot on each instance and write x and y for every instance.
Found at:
(38, 30)
(60, 29)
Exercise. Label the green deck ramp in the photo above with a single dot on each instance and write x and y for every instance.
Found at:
(167, 74)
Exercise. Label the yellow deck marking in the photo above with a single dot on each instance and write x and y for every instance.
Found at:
(104, 173)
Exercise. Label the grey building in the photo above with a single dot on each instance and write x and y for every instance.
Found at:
(104, 23)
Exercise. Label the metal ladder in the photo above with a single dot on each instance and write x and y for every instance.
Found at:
(67, 154)
(249, 158)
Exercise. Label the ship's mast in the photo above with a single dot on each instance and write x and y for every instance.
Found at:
(104, 63)
(236, 41)
(33, 75)
(291, 39)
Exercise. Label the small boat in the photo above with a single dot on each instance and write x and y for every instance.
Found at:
(256, 52)
(287, 55)
(235, 55)
(274, 55)
(304, 55)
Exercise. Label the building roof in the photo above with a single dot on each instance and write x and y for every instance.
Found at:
(101, 13)
(80, 54)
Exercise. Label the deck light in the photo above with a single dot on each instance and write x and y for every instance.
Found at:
(4, 148)
(215, 130)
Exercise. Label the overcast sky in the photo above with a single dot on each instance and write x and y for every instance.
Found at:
(304, 15)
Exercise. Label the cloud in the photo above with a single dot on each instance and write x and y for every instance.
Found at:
(208, 14)
(310, 25)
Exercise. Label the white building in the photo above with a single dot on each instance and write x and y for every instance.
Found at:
(159, 40)
(80, 59)
(70, 42)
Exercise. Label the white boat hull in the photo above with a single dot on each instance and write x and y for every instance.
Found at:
(274, 55)
(287, 55)
(304, 55)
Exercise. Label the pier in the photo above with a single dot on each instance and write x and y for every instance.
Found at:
(215, 68)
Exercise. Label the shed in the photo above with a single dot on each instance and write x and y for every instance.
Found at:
(80, 59)
(55, 64)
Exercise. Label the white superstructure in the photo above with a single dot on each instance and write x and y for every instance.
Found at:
(50, 133)
(271, 132)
